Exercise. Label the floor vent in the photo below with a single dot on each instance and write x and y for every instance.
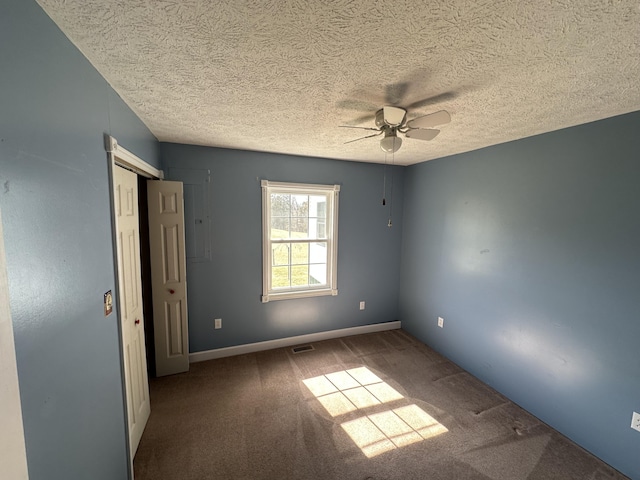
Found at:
(304, 348)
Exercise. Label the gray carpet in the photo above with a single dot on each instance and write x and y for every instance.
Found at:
(379, 406)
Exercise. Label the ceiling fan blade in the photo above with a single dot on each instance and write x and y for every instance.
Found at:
(431, 100)
(394, 116)
(362, 138)
(431, 120)
(361, 128)
(422, 134)
(395, 92)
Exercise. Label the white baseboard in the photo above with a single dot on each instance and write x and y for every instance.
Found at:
(290, 341)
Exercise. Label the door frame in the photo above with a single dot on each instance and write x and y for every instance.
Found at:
(14, 453)
(119, 156)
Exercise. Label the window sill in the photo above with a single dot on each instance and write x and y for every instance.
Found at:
(298, 294)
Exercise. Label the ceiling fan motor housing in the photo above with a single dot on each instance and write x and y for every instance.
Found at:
(391, 116)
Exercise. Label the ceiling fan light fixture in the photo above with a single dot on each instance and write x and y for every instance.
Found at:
(390, 120)
(394, 116)
(390, 143)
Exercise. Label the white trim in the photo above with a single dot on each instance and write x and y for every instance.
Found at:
(13, 460)
(290, 341)
(119, 156)
(123, 157)
(288, 295)
(332, 193)
(266, 247)
(334, 241)
(294, 187)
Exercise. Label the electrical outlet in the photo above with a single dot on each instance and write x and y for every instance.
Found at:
(635, 421)
(361, 305)
(218, 323)
(441, 322)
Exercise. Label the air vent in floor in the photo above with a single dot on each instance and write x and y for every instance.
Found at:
(303, 348)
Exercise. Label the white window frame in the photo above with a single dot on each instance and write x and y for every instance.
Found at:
(268, 292)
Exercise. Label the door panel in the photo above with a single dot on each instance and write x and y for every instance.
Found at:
(130, 303)
(170, 251)
(168, 276)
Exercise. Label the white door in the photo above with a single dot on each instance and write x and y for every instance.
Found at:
(168, 276)
(130, 303)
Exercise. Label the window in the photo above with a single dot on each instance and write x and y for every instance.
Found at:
(299, 240)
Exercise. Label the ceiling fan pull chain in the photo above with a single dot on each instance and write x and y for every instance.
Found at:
(393, 158)
(384, 181)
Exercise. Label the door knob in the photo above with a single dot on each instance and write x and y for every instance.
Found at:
(137, 321)
(172, 291)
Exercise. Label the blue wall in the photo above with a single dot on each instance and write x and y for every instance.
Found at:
(530, 251)
(230, 285)
(54, 196)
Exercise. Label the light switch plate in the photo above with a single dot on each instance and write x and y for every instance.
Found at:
(441, 322)
(218, 323)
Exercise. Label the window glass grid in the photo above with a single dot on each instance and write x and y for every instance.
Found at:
(298, 217)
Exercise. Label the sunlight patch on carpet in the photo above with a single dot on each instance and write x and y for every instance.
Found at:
(360, 390)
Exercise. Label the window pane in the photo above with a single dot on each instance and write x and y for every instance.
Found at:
(280, 253)
(317, 216)
(318, 206)
(300, 254)
(322, 229)
(299, 275)
(318, 274)
(280, 204)
(318, 261)
(313, 227)
(280, 277)
(299, 227)
(318, 252)
(279, 227)
(317, 228)
(300, 206)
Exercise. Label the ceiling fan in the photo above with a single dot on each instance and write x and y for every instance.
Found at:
(392, 120)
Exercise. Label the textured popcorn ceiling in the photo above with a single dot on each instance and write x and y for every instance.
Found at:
(282, 75)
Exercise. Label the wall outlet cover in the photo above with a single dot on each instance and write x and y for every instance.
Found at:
(218, 323)
(635, 421)
(361, 305)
